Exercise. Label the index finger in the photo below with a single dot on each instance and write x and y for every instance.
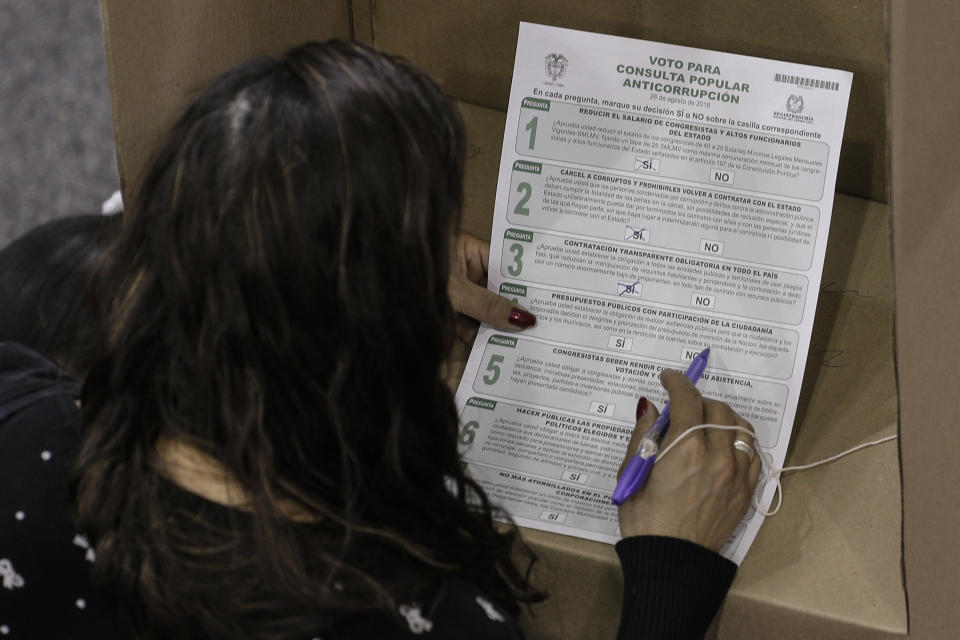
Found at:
(686, 404)
(486, 306)
(476, 253)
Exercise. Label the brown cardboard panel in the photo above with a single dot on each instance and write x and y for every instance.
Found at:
(925, 101)
(469, 47)
(829, 564)
(584, 584)
(833, 551)
(160, 52)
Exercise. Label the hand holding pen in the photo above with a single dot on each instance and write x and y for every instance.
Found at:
(634, 476)
(701, 491)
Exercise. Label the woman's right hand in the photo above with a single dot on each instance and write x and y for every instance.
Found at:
(701, 491)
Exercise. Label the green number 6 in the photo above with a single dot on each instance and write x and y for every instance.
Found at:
(468, 433)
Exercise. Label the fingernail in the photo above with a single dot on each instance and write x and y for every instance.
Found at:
(642, 406)
(521, 318)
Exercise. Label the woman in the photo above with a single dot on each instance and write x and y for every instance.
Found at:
(45, 307)
(268, 449)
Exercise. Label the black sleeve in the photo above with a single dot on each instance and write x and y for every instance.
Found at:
(459, 612)
(671, 588)
(45, 586)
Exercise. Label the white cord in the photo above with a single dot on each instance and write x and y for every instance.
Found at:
(771, 473)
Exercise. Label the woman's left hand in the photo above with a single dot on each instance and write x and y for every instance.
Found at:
(469, 295)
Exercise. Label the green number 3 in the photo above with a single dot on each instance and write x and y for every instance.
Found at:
(517, 249)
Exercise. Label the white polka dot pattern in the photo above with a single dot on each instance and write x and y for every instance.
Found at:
(415, 620)
(489, 609)
(11, 579)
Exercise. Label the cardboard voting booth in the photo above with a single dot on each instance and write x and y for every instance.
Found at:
(863, 548)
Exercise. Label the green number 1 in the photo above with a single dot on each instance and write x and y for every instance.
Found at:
(532, 128)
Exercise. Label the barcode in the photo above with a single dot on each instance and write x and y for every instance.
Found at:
(812, 83)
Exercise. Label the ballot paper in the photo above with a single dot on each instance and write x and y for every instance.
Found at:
(653, 200)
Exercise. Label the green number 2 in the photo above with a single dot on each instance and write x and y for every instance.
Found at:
(494, 368)
(517, 265)
(468, 433)
(527, 191)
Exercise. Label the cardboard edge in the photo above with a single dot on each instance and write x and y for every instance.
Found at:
(361, 21)
(925, 205)
(748, 617)
(888, 94)
(111, 76)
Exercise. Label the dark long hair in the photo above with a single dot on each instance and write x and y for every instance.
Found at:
(278, 301)
(45, 279)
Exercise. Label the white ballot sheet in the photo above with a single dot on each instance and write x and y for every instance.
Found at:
(653, 200)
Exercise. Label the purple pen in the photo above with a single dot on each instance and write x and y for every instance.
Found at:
(635, 475)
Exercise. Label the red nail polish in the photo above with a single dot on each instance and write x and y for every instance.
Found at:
(642, 406)
(521, 318)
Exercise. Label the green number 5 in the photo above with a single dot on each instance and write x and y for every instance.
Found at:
(494, 368)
